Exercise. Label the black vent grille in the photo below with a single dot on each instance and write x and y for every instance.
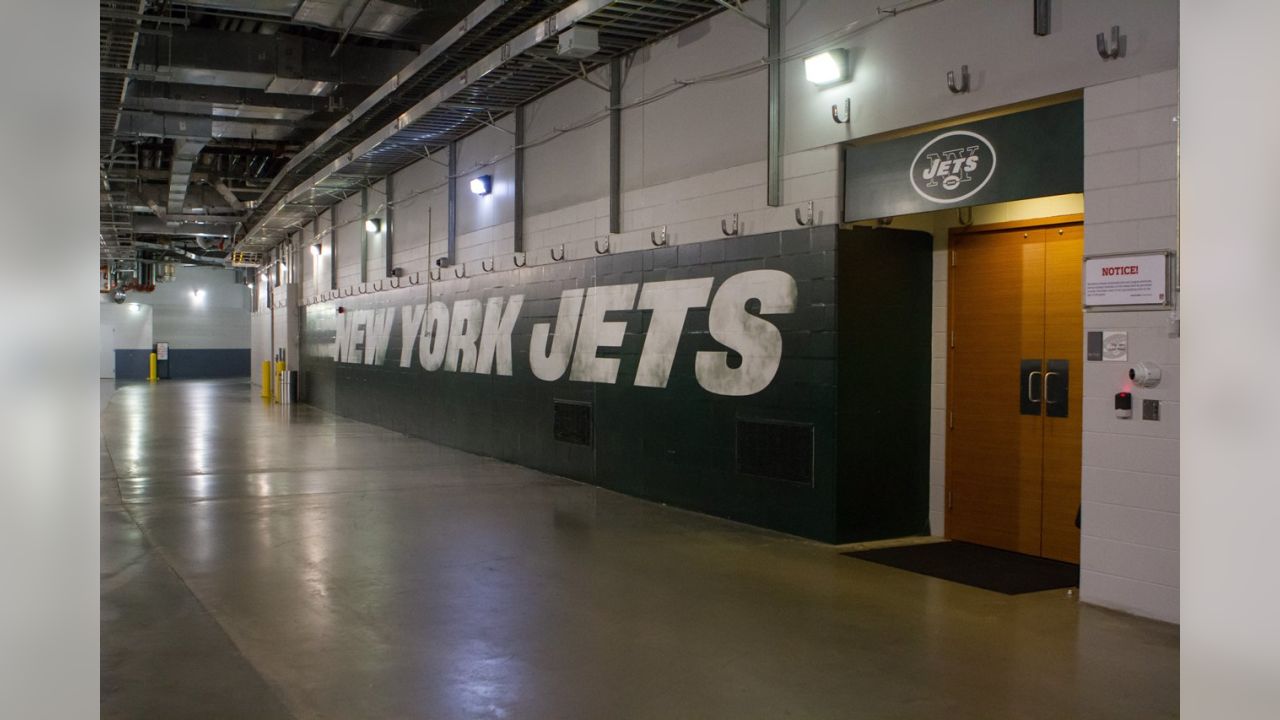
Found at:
(573, 422)
(776, 450)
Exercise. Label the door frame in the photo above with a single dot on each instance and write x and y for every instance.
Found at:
(952, 234)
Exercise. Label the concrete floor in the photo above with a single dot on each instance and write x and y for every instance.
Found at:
(279, 562)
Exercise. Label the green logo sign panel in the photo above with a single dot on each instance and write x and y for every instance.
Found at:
(1028, 154)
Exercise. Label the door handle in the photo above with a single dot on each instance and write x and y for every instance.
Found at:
(1030, 376)
(1056, 393)
(1049, 398)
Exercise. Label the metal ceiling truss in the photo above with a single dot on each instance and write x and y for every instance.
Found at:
(500, 75)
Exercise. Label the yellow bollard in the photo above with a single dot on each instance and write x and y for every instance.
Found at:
(153, 376)
(266, 379)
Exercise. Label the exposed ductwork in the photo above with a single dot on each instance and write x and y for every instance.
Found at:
(185, 154)
(187, 256)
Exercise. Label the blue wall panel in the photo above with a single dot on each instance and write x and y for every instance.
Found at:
(185, 364)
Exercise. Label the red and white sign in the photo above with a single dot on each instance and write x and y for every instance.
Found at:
(1121, 280)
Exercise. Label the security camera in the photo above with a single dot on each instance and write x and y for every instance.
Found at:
(118, 296)
(1145, 374)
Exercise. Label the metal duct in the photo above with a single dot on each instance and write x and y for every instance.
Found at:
(185, 154)
(189, 256)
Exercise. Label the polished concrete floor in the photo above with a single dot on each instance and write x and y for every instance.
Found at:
(279, 562)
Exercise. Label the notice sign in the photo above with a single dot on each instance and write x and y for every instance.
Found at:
(162, 351)
(1125, 281)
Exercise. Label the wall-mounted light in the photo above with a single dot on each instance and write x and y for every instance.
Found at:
(373, 225)
(827, 68)
(482, 185)
(317, 249)
(197, 296)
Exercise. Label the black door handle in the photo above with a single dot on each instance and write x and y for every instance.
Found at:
(1030, 376)
(1057, 385)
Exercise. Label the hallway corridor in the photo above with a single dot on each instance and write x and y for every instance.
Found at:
(266, 561)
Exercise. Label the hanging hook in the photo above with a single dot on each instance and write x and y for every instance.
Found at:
(802, 221)
(960, 218)
(415, 278)
(963, 87)
(1105, 50)
(600, 251)
(724, 228)
(553, 254)
(489, 267)
(519, 259)
(460, 270)
(835, 112)
(434, 273)
(658, 239)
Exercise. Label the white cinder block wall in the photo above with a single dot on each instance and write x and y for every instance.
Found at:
(1129, 552)
(697, 157)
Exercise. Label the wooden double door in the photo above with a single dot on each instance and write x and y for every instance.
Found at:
(1014, 390)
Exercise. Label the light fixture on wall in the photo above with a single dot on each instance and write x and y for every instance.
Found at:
(197, 296)
(373, 225)
(827, 68)
(317, 249)
(482, 185)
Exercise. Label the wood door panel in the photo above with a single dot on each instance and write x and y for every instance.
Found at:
(994, 453)
(1064, 339)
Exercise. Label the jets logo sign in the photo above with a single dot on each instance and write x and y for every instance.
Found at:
(471, 336)
(953, 166)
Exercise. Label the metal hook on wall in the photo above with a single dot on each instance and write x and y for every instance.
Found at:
(806, 220)
(658, 239)
(963, 87)
(434, 273)
(460, 270)
(553, 254)
(599, 250)
(489, 267)
(415, 278)
(848, 109)
(960, 216)
(1105, 50)
(724, 228)
(519, 259)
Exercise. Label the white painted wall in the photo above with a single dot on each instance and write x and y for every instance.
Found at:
(1130, 487)
(217, 319)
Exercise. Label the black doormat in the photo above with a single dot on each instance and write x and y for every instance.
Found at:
(1002, 571)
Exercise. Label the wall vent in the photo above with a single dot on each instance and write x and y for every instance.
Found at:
(776, 450)
(572, 422)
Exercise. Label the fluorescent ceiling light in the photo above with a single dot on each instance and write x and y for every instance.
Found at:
(827, 68)
(482, 185)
